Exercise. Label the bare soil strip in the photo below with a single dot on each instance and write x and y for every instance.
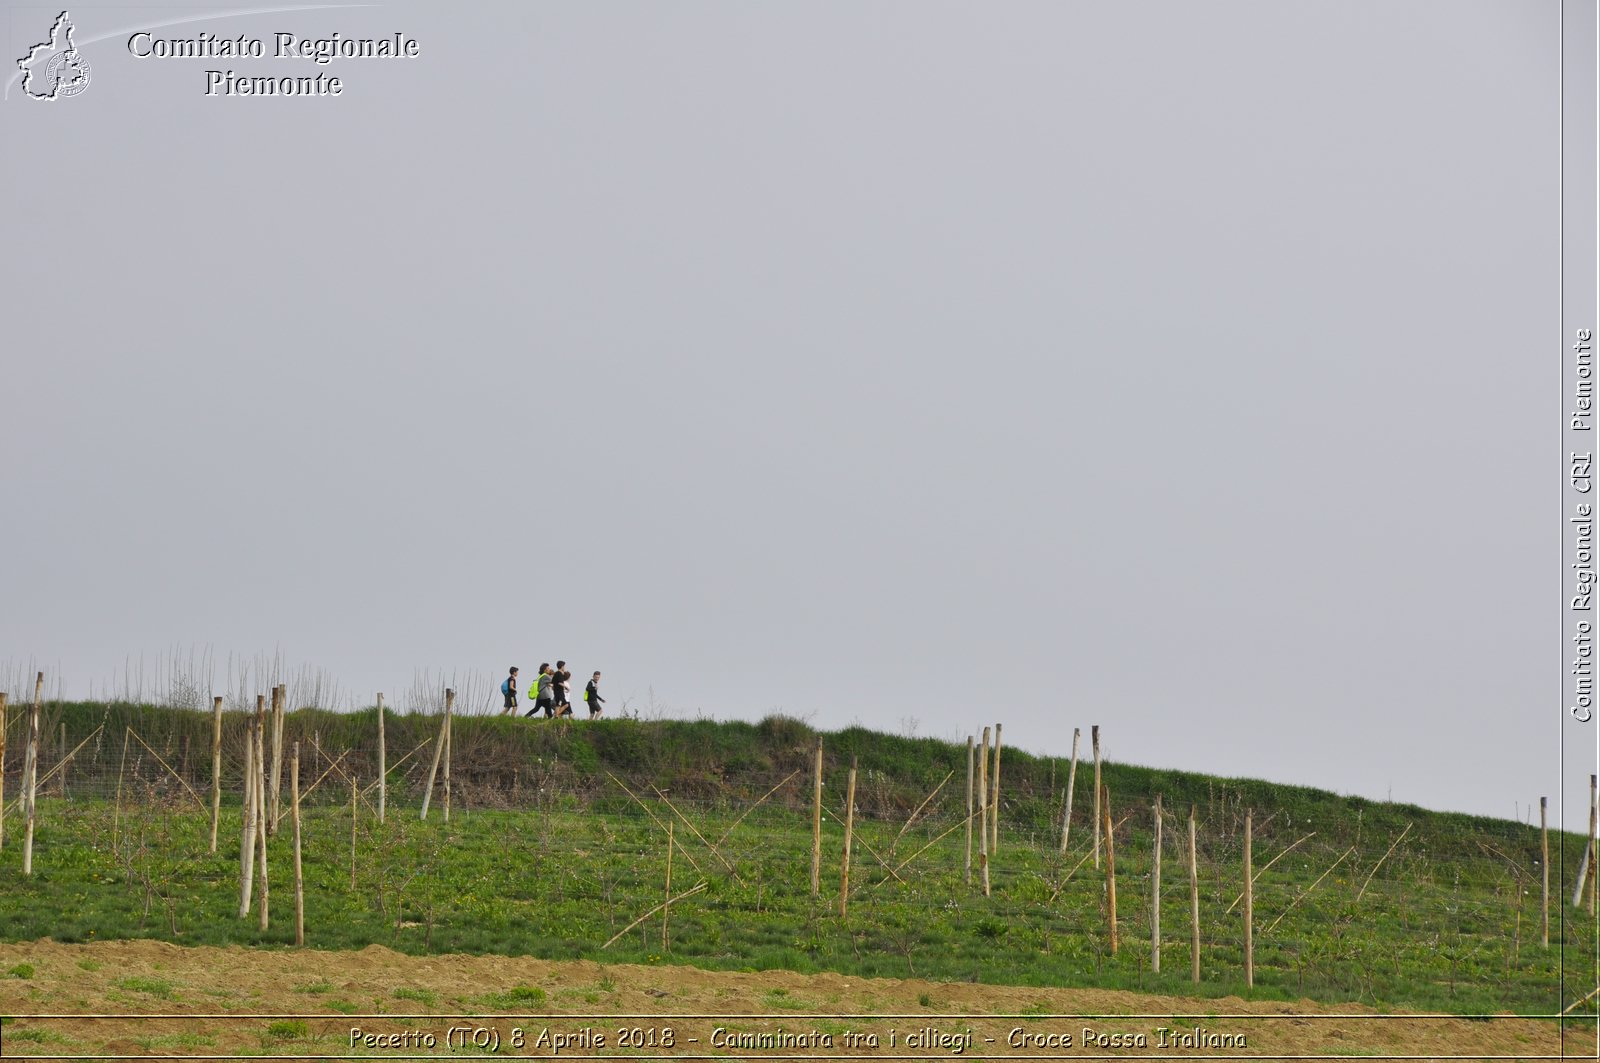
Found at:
(167, 1000)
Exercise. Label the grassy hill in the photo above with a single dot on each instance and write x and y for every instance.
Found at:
(558, 840)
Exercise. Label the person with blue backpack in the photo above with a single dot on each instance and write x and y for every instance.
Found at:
(509, 690)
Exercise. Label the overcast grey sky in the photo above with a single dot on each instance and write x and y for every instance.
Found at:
(1181, 368)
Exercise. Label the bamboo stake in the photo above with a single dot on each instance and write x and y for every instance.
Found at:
(913, 818)
(994, 798)
(983, 813)
(816, 823)
(849, 832)
(47, 776)
(1194, 904)
(247, 828)
(1094, 742)
(30, 777)
(759, 802)
(901, 866)
(1594, 812)
(449, 712)
(262, 905)
(1268, 864)
(383, 768)
(674, 900)
(1250, 904)
(1544, 868)
(353, 791)
(216, 768)
(654, 819)
(687, 822)
(1072, 777)
(170, 769)
(1111, 867)
(116, 812)
(299, 880)
(1155, 896)
(433, 772)
(970, 756)
(1379, 864)
(1311, 887)
(666, 901)
(4, 697)
(65, 759)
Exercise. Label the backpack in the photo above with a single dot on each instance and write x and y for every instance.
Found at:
(505, 688)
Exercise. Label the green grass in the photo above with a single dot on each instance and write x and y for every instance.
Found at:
(1446, 921)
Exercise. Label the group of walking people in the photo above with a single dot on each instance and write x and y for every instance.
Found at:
(550, 693)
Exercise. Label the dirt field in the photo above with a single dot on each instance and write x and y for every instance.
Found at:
(202, 1002)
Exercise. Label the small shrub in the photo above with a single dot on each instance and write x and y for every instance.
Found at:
(21, 970)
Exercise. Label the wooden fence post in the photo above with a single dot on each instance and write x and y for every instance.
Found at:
(970, 756)
(294, 814)
(383, 765)
(3, 699)
(216, 768)
(275, 778)
(816, 822)
(849, 833)
(1155, 896)
(1111, 868)
(1194, 904)
(1094, 742)
(1072, 777)
(994, 797)
(433, 770)
(983, 812)
(261, 830)
(247, 828)
(1249, 903)
(1544, 868)
(449, 712)
(30, 777)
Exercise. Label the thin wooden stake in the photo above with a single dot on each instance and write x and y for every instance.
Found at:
(294, 814)
(1194, 904)
(1267, 866)
(849, 832)
(216, 768)
(383, 768)
(983, 813)
(1111, 867)
(247, 826)
(666, 900)
(1272, 925)
(65, 759)
(1250, 903)
(1094, 742)
(116, 812)
(1374, 871)
(816, 823)
(3, 698)
(449, 712)
(690, 892)
(970, 758)
(994, 797)
(1072, 778)
(1544, 869)
(918, 811)
(1155, 896)
(30, 777)
(262, 905)
(353, 809)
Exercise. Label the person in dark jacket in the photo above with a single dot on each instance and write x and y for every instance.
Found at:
(591, 694)
(561, 685)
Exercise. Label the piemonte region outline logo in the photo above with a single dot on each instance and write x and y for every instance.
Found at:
(54, 69)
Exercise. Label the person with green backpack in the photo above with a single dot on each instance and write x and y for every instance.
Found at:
(543, 696)
(591, 694)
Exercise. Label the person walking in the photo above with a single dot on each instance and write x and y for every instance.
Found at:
(591, 694)
(543, 700)
(509, 690)
(561, 685)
